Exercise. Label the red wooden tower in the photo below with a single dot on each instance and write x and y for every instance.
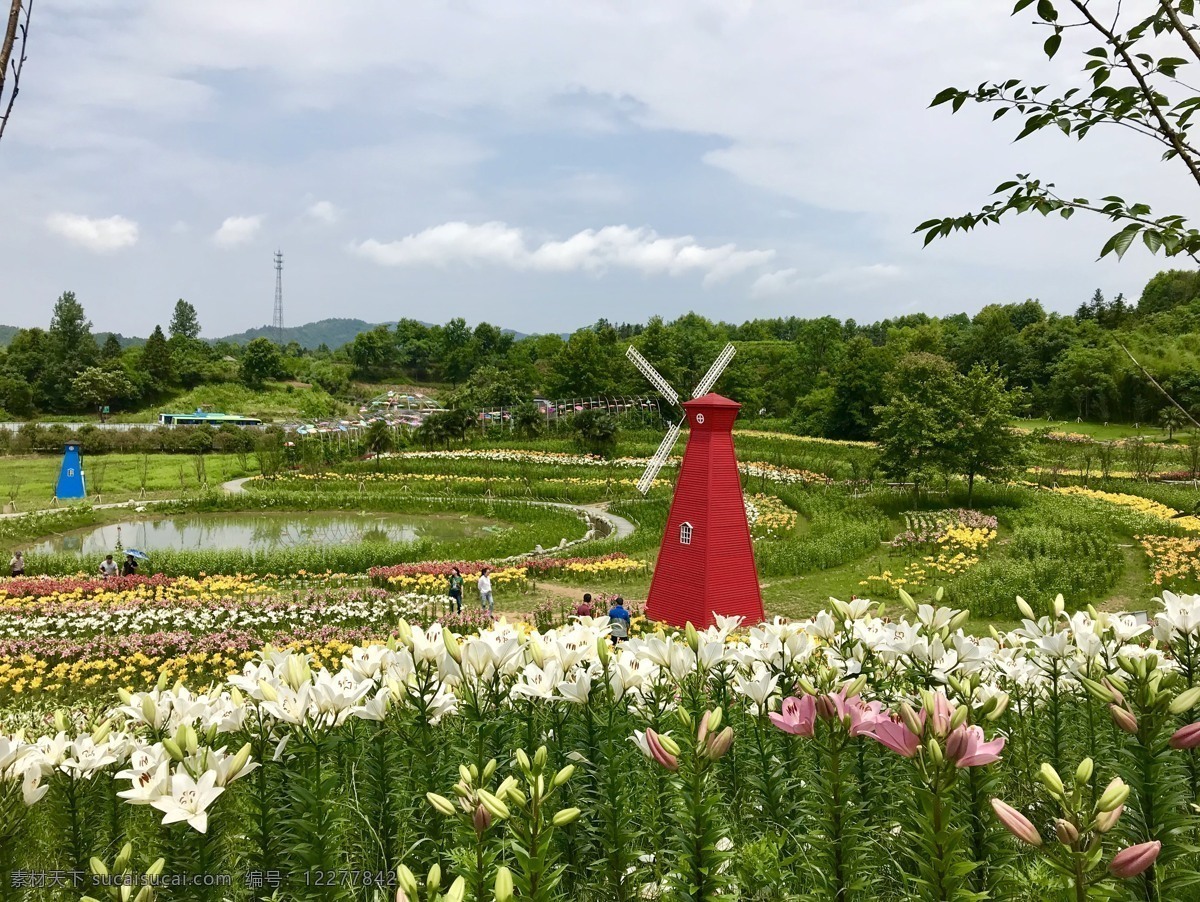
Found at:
(706, 562)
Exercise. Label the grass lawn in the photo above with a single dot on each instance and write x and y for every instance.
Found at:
(116, 477)
(1098, 431)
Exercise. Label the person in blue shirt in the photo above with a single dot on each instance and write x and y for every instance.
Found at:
(618, 620)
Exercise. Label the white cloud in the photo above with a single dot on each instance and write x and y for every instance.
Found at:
(99, 235)
(591, 250)
(785, 281)
(324, 211)
(237, 230)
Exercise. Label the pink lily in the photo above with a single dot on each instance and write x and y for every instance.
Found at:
(798, 716)
(896, 736)
(1186, 737)
(942, 712)
(864, 716)
(966, 747)
(1132, 861)
(1016, 823)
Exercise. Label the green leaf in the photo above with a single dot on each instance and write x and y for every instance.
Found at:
(1046, 10)
(943, 96)
(1052, 44)
(1152, 240)
(1021, 4)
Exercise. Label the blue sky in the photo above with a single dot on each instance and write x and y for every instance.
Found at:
(536, 164)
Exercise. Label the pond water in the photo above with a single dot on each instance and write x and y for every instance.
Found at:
(264, 531)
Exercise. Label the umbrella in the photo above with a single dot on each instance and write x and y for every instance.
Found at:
(140, 555)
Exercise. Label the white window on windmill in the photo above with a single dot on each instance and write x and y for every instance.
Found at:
(685, 534)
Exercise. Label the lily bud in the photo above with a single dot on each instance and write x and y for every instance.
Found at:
(562, 776)
(123, 857)
(1134, 860)
(267, 691)
(1106, 820)
(1059, 605)
(907, 600)
(959, 717)
(523, 759)
(718, 745)
(1066, 832)
(125, 696)
(489, 769)
(1124, 719)
(493, 804)
(958, 620)
(1127, 665)
(1098, 691)
(406, 878)
(536, 653)
(441, 803)
(702, 733)
(935, 752)
(504, 884)
(1025, 609)
(564, 817)
(997, 712)
(149, 710)
(668, 743)
(856, 686)
(405, 634)
(692, 637)
(452, 646)
(173, 749)
(98, 867)
(1186, 700)
(101, 732)
(434, 880)
(714, 719)
(465, 774)
(602, 652)
(1114, 795)
(1083, 773)
(1051, 780)
(481, 819)
(240, 760)
(540, 757)
(1186, 737)
(457, 891)
(909, 717)
(806, 686)
(1016, 823)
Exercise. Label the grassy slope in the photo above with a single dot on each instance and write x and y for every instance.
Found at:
(118, 476)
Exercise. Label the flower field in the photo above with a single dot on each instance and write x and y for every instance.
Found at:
(846, 756)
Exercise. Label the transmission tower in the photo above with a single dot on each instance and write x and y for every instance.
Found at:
(277, 319)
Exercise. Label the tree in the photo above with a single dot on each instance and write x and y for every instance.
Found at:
(70, 349)
(156, 360)
(1168, 290)
(1171, 420)
(596, 431)
(916, 425)
(858, 384)
(373, 353)
(12, 56)
(260, 361)
(16, 397)
(111, 351)
(379, 438)
(99, 387)
(185, 324)
(1134, 70)
(982, 440)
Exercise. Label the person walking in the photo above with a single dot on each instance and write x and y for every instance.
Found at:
(456, 587)
(485, 591)
(619, 620)
(16, 567)
(129, 568)
(108, 567)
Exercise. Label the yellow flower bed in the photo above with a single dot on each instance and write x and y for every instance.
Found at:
(769, 517)
(970, 538)
(607, 567)
(1133, 502)
(1172, 558)
(435, 583)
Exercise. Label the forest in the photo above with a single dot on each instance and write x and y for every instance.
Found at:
(827, 376)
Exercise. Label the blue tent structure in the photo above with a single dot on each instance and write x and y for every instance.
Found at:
(70, 477)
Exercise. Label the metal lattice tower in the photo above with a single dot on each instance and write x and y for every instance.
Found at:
(277, 319)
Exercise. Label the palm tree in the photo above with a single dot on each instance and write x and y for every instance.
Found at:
(1171, 420)
(379, 438)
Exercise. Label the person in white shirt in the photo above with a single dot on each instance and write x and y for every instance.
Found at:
(17, 565)
(108, 567)
(485, 591)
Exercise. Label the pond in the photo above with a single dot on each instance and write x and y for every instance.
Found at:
(265, 531)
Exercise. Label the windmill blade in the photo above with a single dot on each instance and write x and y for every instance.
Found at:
(660, 458)
(714, 371)
(656, 379)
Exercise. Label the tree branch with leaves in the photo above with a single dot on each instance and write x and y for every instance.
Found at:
(1135, 83)
(12, 57)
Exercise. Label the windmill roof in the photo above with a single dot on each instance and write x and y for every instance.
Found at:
(711, 400)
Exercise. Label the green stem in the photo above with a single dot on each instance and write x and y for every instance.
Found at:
(835, 814)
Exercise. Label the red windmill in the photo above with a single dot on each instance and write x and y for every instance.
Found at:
(706, 561)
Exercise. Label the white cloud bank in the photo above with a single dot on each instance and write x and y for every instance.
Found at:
(237, 230)
(101, 236)
(784, 281)
(592, 250)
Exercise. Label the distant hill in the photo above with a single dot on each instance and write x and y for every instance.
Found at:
(330, 332)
